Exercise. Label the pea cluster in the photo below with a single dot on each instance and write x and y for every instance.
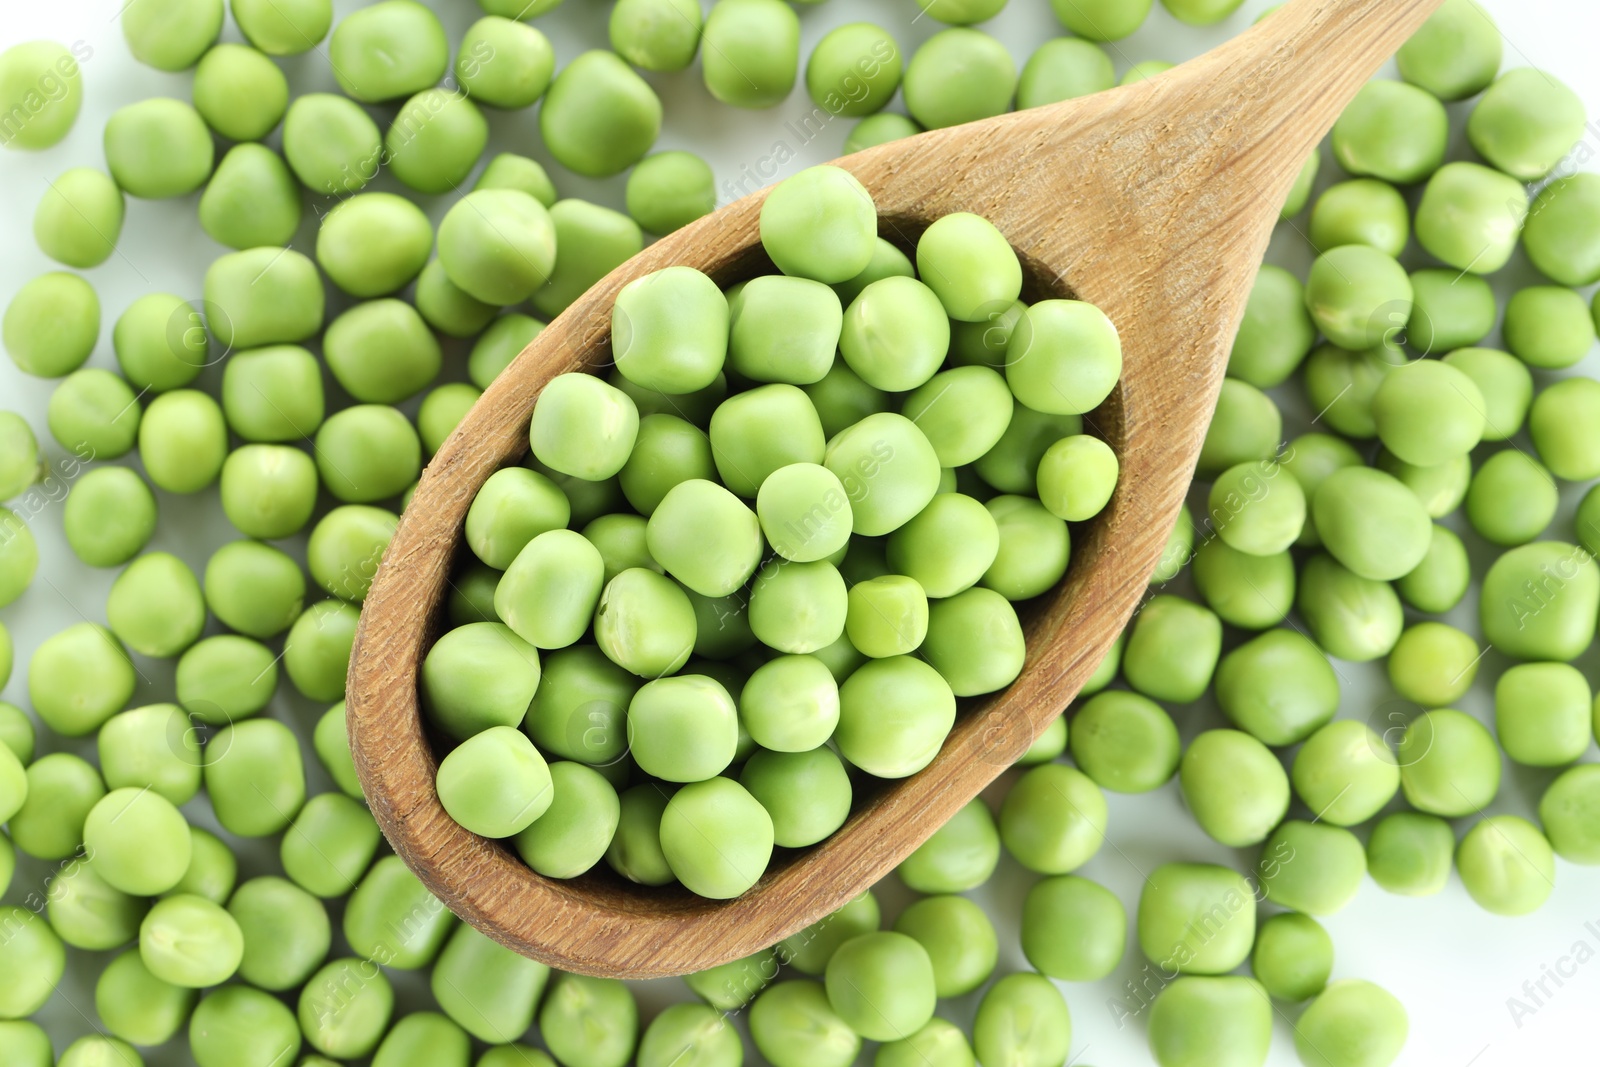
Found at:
(672, 521)
(764, 570)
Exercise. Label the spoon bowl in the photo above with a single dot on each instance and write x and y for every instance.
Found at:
(1154, 202)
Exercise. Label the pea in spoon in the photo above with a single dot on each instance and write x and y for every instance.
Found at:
(1154, 202)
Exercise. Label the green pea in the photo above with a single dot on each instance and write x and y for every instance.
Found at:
(345, 1008)
(842, 399)
(158, 343)
(374, 243)
(573, 833)
(957, 76)
(158, 148)
(1246, 427)
(1506, 865)
(1345, 773)
(1172, 650)
(436, 140)
(171, 36)
(1450, 310)
(1561, 435)
(506, 1056)
(1253, 684)
(41, 82)
(273, 394)
(1356, 294)
(668, 190)
(1170, 934)
(237, 1026)
(1063, 68)
(79, 218)
(254, 588)
(16, 728)
(331, 144)
(1351, 1023)
(1340, 384)
(138, 1007)
(1526, 123)
(497, 245)
(1073, 930)
(1077, 477)
(820, 224)
(79, 678)
(367, 453)
(1456, 53)
(599, 117)
(579, 706)
(94, 414)
(894, 715)
(284, 27)
(1565, 812)
(1392, 131)
(1560, 223)
(191, 942)
(255, 777)
(139, 841)
(690, 1033)
(960, 855)
(1470, 216)
(1439, 582)
(1053, 819)
(1542, 714)
(263, 296)
(1218, 1022)
(1410, 853)
(1064, 357)
(332, 745)
(156, 607)
(502, 341)
(1448, 764)
(1250, 592)
(660, 35)
(88, 913)
(388, 50)
(19, 556)
(1539, 601)
(25, 1044)
(393, 920)
(1022, 1020)
(1234, 786)
(1293, 957)
(854, 70)
(807, 793)
(1361, 212)
(59, 793)
(1371, 523)
(330, 845)
(595, 240)
(723, 811)
(1034, 548)
(1440, 488)
(765, 35)
(51, 325)
(1312, 867)
(794, 1025)
(213, 870)
(1276, 333)
(286, 933)
(487, 989)
(883, 985)
(1549, 326)
(34, 962)
(589, 1022)
(635, 849)
(242, 95)
(504, 63)
(1125, 743)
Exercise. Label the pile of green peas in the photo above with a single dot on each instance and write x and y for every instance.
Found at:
(1434, 459)
(710, 603)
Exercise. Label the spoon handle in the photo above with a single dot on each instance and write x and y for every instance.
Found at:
(1272, 93)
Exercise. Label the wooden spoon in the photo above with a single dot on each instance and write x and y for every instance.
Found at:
(1155, 202)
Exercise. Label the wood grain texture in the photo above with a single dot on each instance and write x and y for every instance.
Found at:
(1154, 202)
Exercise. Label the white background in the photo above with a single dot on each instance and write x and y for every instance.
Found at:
(1451, 964)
